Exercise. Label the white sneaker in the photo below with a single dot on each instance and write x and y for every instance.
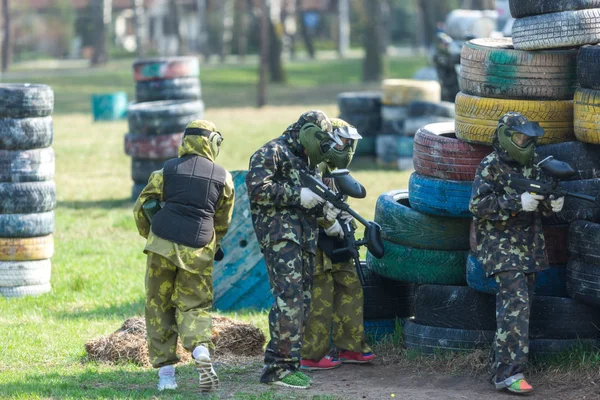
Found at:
(166, 379)
(209, 381)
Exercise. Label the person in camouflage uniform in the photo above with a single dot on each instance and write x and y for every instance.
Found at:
(284, 215)
(510, 241)
(183, 237)
(337, 295)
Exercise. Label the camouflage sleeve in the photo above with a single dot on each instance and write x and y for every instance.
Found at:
(486, 203)
(545, 208)
(263, 189)
(224, 210)
(153, 190)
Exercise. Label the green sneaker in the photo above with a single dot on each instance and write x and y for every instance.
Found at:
(293, 381)
(303, 376)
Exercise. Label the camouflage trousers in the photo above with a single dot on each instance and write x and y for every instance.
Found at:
(177, 302)
(290, 272)
(336, 310)
(513, 306)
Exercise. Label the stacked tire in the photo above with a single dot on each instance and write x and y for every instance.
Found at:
(27, 189)
(168, 97)
(363, 111)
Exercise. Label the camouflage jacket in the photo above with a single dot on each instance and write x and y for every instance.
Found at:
(508, 239)
(273, 183)
(184, 257)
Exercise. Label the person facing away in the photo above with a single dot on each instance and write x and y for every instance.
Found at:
(336, 309)
(510, 241)
(183, 237)
(284, 215)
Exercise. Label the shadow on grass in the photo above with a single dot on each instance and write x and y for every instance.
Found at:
(125, 310)
(106, 203)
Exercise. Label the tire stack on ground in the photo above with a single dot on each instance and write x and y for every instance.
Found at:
(394, 144)
(27, 189)
(363, 111)
(168, 97)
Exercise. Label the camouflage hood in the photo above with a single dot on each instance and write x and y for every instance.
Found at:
(198, 145)
(291, 134)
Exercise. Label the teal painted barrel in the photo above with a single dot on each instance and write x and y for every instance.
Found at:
(109, 106)
(240, 279)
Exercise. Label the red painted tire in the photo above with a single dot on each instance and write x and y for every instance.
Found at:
(152, 147)
(165, 68)
(439, 154)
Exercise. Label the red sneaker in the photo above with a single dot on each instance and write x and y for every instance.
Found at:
(326, 362)
(354, 357)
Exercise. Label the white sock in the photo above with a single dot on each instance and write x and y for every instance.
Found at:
(199, 350)
(167, 370)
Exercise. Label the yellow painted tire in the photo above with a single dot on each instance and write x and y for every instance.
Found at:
(26, 249)
(477, 117)
(586, 107)
(400, 92)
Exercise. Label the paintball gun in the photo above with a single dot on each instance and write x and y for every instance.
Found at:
(350, 187)
(557, 170)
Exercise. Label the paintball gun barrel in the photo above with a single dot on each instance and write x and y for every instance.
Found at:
(557, 170)
(347, 186)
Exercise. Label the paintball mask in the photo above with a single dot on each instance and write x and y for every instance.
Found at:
(340, 155)
(518, 136)
(317, 143)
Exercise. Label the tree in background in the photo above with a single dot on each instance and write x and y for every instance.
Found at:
(307, 37)
(139, 27)
(276, 71)
(479, 4)
(102, 12)
(7, 39)
(174, 26)
(373, 64)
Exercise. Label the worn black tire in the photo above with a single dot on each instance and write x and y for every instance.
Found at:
(163, 117)
(141, 169)
(26, 133)
(168, 89)
(439, 197)
(431, 339)
(28, 197)
(563, 318)
(385, 298)
(27, 165)
(403, 225)
(455, 307)
(493, 68)
(24, 273)
(420, 266)
(587, 71)
(575, 28)
(541, 348)
(424, 108)
(576, 209)
(367, 124)
(526, 8)
(583, 281)
(26, 225)
(359, 102)
(392, 119)
(583, 239)
(583, 157)
(25, 100)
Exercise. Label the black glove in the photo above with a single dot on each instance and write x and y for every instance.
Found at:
(219, 254)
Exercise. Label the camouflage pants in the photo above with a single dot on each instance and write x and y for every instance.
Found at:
(290, 272)
(177, 302)
(513, 306)
(336, 310)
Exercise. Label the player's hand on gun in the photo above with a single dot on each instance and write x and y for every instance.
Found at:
(557, 204)
(331, 213)
(530, 201)
(309, 199)
(335, 230)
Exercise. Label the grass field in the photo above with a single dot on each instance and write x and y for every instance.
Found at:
(98, 266)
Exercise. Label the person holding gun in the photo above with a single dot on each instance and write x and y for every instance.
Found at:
(337, 295)
(183, 238)
(510, 241)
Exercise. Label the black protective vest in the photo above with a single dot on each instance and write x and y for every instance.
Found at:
(192, 188)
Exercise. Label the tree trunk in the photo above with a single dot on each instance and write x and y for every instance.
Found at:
(102, 11)
(202, 43)
(264, 53)
(276, 43)
(176, 25)
(227, 34)
(139, 27)
(306, 36)
(7, 41)
(343, 27)
(242, 39)
(373, 61)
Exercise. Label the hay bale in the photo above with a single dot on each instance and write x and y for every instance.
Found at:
(128, 343)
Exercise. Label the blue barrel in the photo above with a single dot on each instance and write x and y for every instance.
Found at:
(240, 279)
(109, 106)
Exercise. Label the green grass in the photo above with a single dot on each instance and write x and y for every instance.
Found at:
(98, 266)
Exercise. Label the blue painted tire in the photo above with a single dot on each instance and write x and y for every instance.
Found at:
(439, 197)
(26, 133)
(377, 330)
(403, 225)
(551, 282)
(366, 147)
(28, 197)
(27, 165)
(26, 225)
(420, 266)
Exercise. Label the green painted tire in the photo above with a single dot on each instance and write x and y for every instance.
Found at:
(420, 266)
